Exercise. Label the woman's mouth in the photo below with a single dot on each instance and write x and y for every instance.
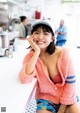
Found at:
(40, 42)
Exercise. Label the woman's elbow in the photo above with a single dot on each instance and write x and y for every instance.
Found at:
(22, 79)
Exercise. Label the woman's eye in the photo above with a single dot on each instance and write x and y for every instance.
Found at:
(36, 32)
(46, 33)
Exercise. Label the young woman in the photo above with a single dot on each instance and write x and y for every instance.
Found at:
(53, 68)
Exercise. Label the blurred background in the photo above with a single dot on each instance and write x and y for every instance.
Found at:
(51, 9)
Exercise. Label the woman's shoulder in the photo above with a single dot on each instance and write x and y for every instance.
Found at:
(63, 52)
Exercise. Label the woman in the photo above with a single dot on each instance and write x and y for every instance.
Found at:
(52, 66)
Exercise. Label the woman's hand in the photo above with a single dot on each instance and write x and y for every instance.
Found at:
(33, 44)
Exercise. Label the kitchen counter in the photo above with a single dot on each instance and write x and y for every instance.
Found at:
(13, 94)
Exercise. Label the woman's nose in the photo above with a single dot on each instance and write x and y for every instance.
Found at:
(40, 35)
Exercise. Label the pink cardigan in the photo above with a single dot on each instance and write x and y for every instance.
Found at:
(64, 92)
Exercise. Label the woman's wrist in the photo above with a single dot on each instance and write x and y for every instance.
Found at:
(37, 52)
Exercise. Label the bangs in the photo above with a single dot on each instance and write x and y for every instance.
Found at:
(43, 27)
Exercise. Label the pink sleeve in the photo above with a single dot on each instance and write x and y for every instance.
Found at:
(69, 93)
(23, 77)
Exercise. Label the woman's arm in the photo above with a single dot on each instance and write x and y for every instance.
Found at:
(69, 88)
(31, 64)
(28, 70)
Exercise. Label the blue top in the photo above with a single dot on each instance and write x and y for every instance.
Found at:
(61, 36)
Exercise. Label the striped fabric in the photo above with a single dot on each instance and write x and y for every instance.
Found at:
(71, 79)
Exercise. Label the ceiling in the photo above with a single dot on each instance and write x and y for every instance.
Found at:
(16, 2)
(20, 1)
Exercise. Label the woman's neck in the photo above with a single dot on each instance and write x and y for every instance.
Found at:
(43, 52)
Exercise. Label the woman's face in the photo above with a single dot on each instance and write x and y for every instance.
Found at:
(42, 38)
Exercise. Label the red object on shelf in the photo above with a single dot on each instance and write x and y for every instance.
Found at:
(37, 14)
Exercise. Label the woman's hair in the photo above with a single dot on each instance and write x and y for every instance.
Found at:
(51, 47)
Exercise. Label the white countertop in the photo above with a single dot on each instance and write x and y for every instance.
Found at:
(13, 94)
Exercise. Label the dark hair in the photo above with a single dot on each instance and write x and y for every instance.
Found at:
(51, 47)
(22, 18)
(44, 27)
